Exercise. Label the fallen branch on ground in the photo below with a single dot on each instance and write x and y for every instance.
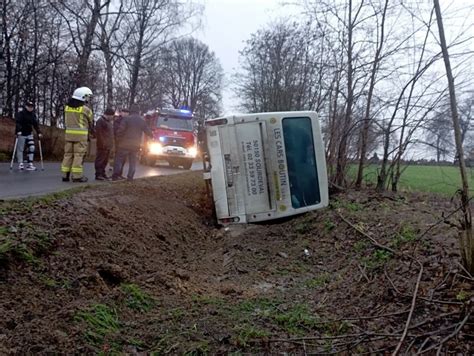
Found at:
(412, 308)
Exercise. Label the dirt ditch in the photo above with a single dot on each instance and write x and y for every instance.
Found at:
(139, 268)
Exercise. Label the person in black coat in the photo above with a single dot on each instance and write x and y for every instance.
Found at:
(25, 122)
(104, 132)
(118, 119)
(128, 139)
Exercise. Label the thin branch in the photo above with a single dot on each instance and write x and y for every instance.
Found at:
(450, 336)
(375, 242)
(412, 308)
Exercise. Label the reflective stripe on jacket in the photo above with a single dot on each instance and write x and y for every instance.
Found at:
(79, 122)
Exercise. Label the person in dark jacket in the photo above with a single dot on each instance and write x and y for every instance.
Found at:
(129, 138)
(123, 113)
(25, 122)
(104, 133)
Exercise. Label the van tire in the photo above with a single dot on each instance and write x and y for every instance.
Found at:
(187, 164)
(148, 161)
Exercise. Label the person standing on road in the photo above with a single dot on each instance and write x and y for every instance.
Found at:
(124, 112)
(129, 135)
(104, 133)
(79, 124)
(25, 122)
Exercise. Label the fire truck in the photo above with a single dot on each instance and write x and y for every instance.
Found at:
(174, 138)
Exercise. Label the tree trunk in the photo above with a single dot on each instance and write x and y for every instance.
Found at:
(81, 72)
(342, 151)
(134, 76)
(382, 176)
(109, 82)
(366, 125)
(465, 232)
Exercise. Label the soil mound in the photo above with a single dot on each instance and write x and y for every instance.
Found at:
(140, 268)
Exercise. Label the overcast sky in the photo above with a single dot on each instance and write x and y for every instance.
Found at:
(227, 24)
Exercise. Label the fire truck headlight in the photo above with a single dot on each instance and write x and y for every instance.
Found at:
(162, 139)
(192, 151)
(155, 148)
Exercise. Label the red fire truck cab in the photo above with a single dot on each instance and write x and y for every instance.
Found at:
(174, 138)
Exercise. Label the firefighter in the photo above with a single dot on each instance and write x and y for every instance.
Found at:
(79, 124)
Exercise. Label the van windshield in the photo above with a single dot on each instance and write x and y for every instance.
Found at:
(301, 161)
(174, 123)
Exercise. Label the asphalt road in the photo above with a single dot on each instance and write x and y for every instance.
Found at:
(21, 184)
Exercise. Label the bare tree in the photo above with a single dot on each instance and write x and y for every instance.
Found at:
(347, 122)
(438, 133)
(373, 74)
(282, 70)
(111, 43)
(2, 57)
(390, 127)
(466, 238)
(81, 19)
(192, 75)
(148, 28)
(48, 48)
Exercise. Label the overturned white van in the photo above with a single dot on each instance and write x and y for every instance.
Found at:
(266, 166)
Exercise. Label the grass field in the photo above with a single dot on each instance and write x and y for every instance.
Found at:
(437, 179)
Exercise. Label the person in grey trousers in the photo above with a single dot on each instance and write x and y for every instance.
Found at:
(129, 138)
(25, 122)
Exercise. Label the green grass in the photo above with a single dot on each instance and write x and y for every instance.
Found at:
(329, 225)
(296, 320)
(23, 241)
(376, 260)
(360, 246)
(462, 296)
(259, 306)
(30, 204)
(102, 322)
(406, 234)
(63, 194)
(207, 300)
(136, 298)
(5, 248)
(319, 281)
(246, 333)
(444, 180)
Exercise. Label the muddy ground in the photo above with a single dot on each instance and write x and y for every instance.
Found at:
(140, 268)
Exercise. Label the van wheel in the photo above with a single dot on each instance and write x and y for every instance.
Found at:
(150, 161)
(187, 164)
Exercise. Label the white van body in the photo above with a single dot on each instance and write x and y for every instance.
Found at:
(266, 166)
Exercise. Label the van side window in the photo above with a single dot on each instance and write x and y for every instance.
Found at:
(301, 161)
